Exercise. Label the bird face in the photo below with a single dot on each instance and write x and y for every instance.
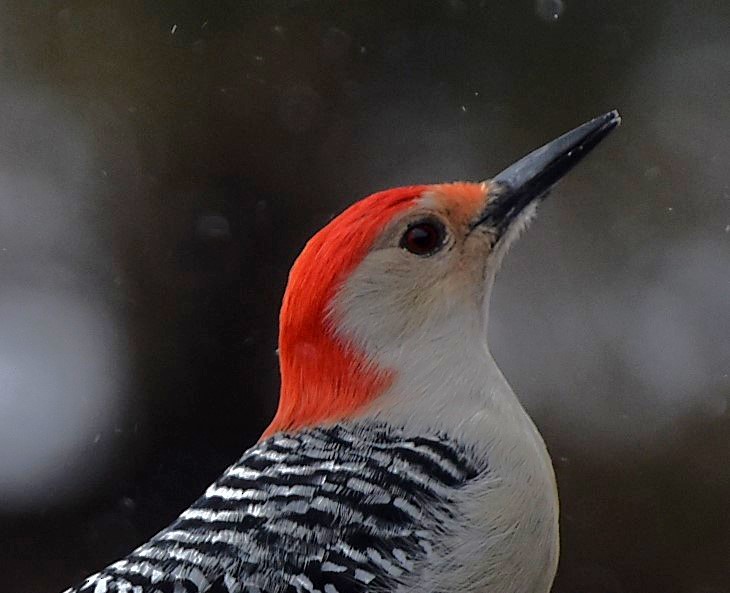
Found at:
(404, 275)
(428, 266)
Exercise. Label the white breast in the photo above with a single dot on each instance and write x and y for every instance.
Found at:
(507, 537)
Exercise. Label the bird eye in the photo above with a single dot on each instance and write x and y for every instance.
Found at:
(424, 237)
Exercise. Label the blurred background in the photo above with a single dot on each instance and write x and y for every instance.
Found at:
(162, 163)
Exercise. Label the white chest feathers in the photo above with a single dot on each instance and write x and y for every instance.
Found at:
(506, 537)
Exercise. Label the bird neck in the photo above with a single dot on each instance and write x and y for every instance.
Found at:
(450, 383)
(323, 380)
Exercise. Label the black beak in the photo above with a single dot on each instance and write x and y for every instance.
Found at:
(532, 177)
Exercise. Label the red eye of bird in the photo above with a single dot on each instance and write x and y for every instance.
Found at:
(423, 238)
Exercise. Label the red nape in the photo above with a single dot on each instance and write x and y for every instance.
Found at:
(322, 378)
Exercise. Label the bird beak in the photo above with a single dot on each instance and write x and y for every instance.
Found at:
(533, 176)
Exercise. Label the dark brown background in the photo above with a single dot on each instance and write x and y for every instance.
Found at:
(162, 162)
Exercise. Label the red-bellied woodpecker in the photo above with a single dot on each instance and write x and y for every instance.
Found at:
(399, 459)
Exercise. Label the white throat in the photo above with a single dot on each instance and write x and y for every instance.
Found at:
(449, 382)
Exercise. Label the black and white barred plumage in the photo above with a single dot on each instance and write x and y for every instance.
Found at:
(350, 508)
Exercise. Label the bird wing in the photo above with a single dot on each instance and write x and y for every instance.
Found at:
(343, 509)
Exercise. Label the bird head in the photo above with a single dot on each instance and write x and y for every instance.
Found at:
(400, 273)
